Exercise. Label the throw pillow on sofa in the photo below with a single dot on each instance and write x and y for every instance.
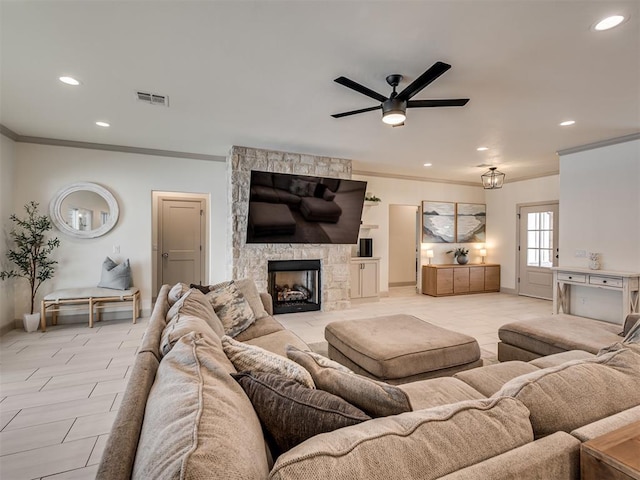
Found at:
(176, 293)
(248, 289)
(197, 418)
(232, 308)
(181, 325)
(578, 392)
(425, 444)
(292, 413)
(114, 276)
(377, 399)
(250, 358)
(194, 303)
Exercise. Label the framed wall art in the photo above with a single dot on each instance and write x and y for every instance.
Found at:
(471, 222)
(438, 222)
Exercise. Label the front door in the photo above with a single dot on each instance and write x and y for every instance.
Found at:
(538, 249)
(181, 239)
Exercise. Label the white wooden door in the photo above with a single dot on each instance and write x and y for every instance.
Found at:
(181, 241)
(538, 249)
(402, 245)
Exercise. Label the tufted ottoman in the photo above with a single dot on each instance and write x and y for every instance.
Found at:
(400, 348)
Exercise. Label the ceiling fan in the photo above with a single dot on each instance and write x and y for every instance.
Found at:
(395, 106)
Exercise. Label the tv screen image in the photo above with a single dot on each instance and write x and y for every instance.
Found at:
(285, 208)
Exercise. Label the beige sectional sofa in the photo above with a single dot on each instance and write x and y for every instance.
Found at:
(184, 414)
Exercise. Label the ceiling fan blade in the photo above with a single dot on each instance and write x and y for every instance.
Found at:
(354, 112)
(360, 88)
(451, 102)
(423, 80)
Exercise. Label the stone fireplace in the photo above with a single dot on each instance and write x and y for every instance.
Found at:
(251, 260)
(295, 285)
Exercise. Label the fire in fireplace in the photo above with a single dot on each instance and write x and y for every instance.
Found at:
(294, 285)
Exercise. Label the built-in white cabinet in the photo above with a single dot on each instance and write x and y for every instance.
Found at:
(365, 277)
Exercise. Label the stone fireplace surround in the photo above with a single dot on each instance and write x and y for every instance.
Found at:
(250, 260)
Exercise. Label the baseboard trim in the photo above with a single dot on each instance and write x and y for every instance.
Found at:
(510, 291)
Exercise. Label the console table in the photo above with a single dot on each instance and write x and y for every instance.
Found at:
(628, 283)
(454, 279)
(613, 455)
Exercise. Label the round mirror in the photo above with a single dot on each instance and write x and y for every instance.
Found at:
(84, 210)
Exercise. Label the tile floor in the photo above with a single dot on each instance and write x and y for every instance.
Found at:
(60, 390)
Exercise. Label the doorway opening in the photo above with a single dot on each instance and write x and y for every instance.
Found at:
(180, 240)
(404, 229)
(537, 249)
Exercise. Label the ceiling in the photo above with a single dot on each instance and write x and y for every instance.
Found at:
(260, 74)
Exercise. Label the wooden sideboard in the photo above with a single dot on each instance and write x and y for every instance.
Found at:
(454, 279)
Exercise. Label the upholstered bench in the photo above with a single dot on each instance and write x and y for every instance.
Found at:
(95, 297)
(527, 340)
(400, 348)
(271, 219)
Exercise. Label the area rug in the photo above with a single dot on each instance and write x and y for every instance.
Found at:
(488, 358)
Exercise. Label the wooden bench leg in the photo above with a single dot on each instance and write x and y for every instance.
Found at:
(90, 312)
(43, 317)
(135, 307)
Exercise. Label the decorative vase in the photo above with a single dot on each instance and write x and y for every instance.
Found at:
(594, 261)
(31, 321)
(462, 259)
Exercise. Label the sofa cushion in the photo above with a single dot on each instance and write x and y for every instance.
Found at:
(292, 413)
(436, 392)
(277, 342)
(232, 308)
(181, 325)
(261, 327)
(250, 358)
(576, 393)
(489, 379)
(560, 358)
(197, 417)
(176, 292)
(425, 444)
(194, 303)
(377, 399)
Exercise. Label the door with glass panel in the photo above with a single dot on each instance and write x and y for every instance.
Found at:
(538, 249)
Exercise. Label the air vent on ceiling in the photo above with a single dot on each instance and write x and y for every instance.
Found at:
(153, 98)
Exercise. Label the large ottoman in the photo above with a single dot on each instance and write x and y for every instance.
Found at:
(400, 348)
(271, 219)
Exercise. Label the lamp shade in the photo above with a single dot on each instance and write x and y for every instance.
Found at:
(483, 252)
(492, 179)
(429, 253)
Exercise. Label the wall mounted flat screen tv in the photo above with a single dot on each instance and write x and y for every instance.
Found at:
(286, 208)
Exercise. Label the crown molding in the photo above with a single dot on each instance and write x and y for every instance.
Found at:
(111, 148)
(450, 182)
(600, 144)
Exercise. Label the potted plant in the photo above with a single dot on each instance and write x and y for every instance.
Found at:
(460, 255)
(31, 255)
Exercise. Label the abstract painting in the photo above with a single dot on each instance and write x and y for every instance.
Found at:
(438, 222)
(471, 222)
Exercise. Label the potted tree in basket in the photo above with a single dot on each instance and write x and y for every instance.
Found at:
(31, 255)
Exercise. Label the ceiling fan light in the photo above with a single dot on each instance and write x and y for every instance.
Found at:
(393, 111)
(492, 179)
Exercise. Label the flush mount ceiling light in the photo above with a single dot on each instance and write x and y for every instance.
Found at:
(428, 164)
(103, 124)
(493, 179)
(482, 149)
(567, 123)
(69, 81)
(609, 22)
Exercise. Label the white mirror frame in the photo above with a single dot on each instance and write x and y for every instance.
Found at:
(55, 210)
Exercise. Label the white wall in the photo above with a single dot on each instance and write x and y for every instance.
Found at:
(41, 170)
(411, 192)
(600, 212)
(7, 163)
(502, 222)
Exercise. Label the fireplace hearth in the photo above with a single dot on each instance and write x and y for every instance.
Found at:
(294, 285)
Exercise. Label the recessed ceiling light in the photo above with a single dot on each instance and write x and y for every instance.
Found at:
(69, 81)
(566, 123)
(609, 22)
(428, 164)
(103, 124)
(482, 149)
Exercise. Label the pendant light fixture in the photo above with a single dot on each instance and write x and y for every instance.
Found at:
(493, 179)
